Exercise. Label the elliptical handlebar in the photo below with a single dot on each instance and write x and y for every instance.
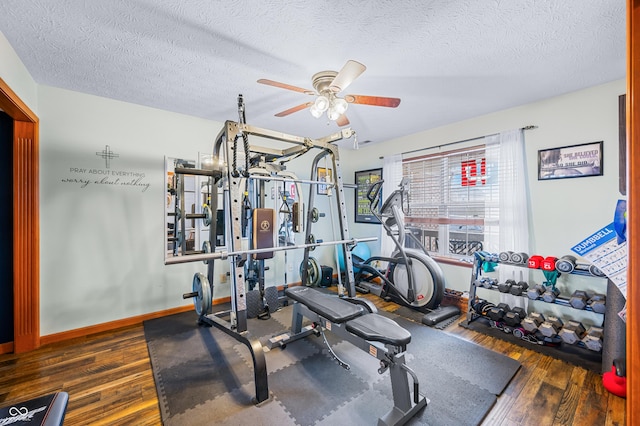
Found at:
(377, 187)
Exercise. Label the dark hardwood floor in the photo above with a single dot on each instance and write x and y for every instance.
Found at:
(109, 380)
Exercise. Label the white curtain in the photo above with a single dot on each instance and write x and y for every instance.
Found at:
(508, 223)
(392, 175)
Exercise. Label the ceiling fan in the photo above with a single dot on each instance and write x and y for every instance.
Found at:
(327, 85)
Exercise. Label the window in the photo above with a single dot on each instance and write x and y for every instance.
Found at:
(453, 200)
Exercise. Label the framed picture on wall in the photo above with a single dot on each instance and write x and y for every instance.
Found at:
(323, 175)
(364, 180)
(571, 161)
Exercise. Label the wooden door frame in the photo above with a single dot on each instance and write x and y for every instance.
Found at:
(633, 209)
(26, 222)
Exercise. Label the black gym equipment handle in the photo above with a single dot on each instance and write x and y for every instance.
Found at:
(374, 189)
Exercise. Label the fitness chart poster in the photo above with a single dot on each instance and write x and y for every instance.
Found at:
(605, 250)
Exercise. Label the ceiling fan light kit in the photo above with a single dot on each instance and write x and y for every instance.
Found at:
(327, 85)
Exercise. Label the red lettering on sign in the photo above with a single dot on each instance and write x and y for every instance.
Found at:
(469, 171)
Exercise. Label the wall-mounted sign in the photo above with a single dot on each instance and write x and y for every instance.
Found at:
(570, 161)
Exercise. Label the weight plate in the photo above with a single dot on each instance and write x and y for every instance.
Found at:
(313, 272)
(311, 240)
(206, 248)
(206, 210)
(202, 302)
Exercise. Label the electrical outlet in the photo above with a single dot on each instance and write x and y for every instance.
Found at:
(223, 278)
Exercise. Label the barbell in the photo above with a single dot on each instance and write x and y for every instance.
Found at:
(223, 254)
(206, 215)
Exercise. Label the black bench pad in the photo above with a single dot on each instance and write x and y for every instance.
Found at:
(372, 327)
(46, 410)
(376, 328)
(330, 307)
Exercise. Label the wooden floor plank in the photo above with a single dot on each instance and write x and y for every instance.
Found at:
(569, 402)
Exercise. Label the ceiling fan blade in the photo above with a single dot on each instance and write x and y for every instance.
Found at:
(294, 109)
(372, 100)
(286, 86)
(349, 72)
(342, 120)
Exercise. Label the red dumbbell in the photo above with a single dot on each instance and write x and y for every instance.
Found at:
(535, 262)
(549, 263)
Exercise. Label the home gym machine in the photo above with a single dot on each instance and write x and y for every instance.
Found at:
(412, 277)
(225, 172)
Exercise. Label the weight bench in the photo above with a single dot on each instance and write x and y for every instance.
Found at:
(46, 410)
(379, 336)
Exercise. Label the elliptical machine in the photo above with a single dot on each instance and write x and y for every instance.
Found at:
(412, 277)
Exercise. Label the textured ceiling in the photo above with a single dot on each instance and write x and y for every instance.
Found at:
(446, 59)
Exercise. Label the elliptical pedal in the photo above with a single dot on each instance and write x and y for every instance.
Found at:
(440, 315)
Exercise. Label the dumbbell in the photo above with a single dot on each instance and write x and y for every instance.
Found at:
(480, 306)
(596, 272)
(578, 299)
(551, 326)
(549, 263)
(515, 316)
(505, 287)
(598, 303)
(572, 332)
(566, 264)
(536, 291)
(593, 339)
(488, 282)
(519, 288)
(505, 256)
(519, 258)
(497, 313)
(532, 322)
(550, 294)
(535, 262)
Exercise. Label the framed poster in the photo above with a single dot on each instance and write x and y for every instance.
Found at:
(325, 176)
(364, 180)
(570, 161)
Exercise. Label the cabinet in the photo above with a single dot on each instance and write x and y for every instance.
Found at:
(566, 326)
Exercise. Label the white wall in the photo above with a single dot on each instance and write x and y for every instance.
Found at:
(15, 74)
(563, 212)
(102, 255)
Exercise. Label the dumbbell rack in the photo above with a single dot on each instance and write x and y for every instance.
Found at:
(593, 359)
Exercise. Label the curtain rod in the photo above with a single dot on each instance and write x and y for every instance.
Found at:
(530, 127)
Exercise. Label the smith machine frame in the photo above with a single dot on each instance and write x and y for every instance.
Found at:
(234, 322)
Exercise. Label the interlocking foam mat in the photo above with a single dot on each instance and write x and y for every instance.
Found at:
(204, 376)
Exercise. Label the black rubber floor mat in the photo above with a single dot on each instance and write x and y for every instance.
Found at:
(210, 381)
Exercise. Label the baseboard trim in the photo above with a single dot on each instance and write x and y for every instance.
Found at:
(114, 325)
(6, 348)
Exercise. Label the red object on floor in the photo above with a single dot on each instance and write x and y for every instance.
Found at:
(615, 384)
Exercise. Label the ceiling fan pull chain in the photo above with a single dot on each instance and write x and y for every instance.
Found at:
(355, 140)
